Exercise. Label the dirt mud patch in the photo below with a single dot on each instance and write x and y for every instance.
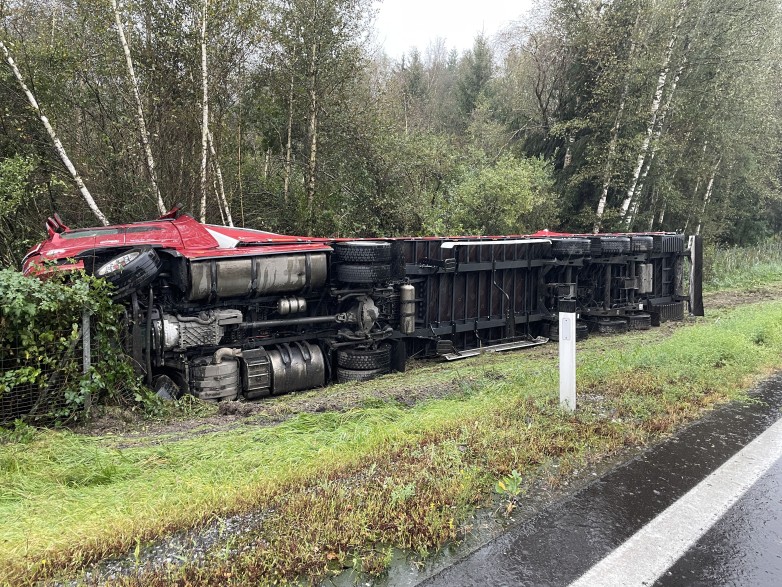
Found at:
(132, 429)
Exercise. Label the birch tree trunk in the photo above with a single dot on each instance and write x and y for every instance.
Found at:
(286, 182)
(655, 143)
(690, 212)
(217, 195)
(313, 132)
(707, 195)
(608, 170)
(204, 114)
(220, 185)
(267, 161)
(568, 152)
(240, 110)
(55, 140)
(140, 122)
(653, 111)
(661, 217)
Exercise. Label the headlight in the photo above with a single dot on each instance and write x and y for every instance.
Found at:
(117, 264)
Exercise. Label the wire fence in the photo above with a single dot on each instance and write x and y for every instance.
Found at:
(45, 385)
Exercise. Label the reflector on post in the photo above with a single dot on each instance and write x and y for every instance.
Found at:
(567, 354)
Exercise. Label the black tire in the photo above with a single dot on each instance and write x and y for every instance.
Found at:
(138, 272)
(571, 247)
(614, 245)
(582, 332)
(363, 273)
(640, 321)
(363, 252)
(612, 326)
(641, 244)
(346, 375)
(165, 388)
(365, 359)
(668, 243)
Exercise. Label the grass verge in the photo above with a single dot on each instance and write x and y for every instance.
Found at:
(743, 267)
(340, 489)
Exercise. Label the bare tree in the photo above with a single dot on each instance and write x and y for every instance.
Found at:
(55, 140)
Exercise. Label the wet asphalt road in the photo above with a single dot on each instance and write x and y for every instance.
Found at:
(560, 544)
(743, 548)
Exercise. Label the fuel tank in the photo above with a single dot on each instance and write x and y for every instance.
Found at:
(256, 276)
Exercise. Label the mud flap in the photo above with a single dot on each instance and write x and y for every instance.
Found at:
(696, 275)
(398, 356)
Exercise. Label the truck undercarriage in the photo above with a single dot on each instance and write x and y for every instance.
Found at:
(224, 313)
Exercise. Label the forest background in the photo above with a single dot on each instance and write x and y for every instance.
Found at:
(284, 115)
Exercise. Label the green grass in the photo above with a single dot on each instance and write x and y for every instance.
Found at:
(742, 268)
(353, 484)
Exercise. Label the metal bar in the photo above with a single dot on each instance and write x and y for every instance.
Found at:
(521, 241)
(470, 325)
(495, 348)
(294, 321)
(86, 352)
(86, 355)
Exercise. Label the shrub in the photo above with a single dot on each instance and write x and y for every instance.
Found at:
(41, 372)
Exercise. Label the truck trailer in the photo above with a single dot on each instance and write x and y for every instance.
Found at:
(227, 313)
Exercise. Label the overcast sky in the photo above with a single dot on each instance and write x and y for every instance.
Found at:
(402, 24)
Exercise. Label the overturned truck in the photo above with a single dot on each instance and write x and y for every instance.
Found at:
(228, 313)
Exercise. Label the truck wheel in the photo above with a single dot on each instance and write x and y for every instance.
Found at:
(639, 321)
(582, 332)
(365, 359)
(130, 271)
(615, 245)
(346, 375)
(641, 244)
(363, 252)
(611, 326)
(165, 388)
(363, 273)
(571, 247)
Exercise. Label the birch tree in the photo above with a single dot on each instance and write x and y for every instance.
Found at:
(220, 185)
(54, 138)
(140, 122)
(707, 195)
(204, 113)
(289, 141)
(614, 140)
(313, 74)
(320, 44)
(660, 125)
(654, 109)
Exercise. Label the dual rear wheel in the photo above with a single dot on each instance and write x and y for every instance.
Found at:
(363, 364)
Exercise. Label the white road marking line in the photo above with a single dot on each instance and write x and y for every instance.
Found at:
(651, 551)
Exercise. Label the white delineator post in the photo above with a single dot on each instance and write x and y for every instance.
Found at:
(567, 354)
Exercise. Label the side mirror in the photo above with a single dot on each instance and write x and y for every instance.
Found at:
(173, 213)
